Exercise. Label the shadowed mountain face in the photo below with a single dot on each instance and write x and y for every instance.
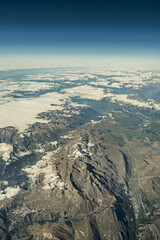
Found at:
(87, 166)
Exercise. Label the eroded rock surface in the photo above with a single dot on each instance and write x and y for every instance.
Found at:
(73, 178)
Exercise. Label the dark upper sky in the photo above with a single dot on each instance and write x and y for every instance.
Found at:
(119, 13)
(115, 24)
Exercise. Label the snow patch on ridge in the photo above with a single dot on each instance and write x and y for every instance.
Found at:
(5, 151)
(51, 179)
(9, 192)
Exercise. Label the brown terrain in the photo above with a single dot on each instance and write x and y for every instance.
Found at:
(99, 181)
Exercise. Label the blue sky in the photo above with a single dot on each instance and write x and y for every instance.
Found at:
(38, 29)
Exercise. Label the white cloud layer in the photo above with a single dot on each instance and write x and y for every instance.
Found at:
(124, 98)
(86, 92)
(23, 112)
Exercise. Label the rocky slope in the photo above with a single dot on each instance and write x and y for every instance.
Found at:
(75, 178)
